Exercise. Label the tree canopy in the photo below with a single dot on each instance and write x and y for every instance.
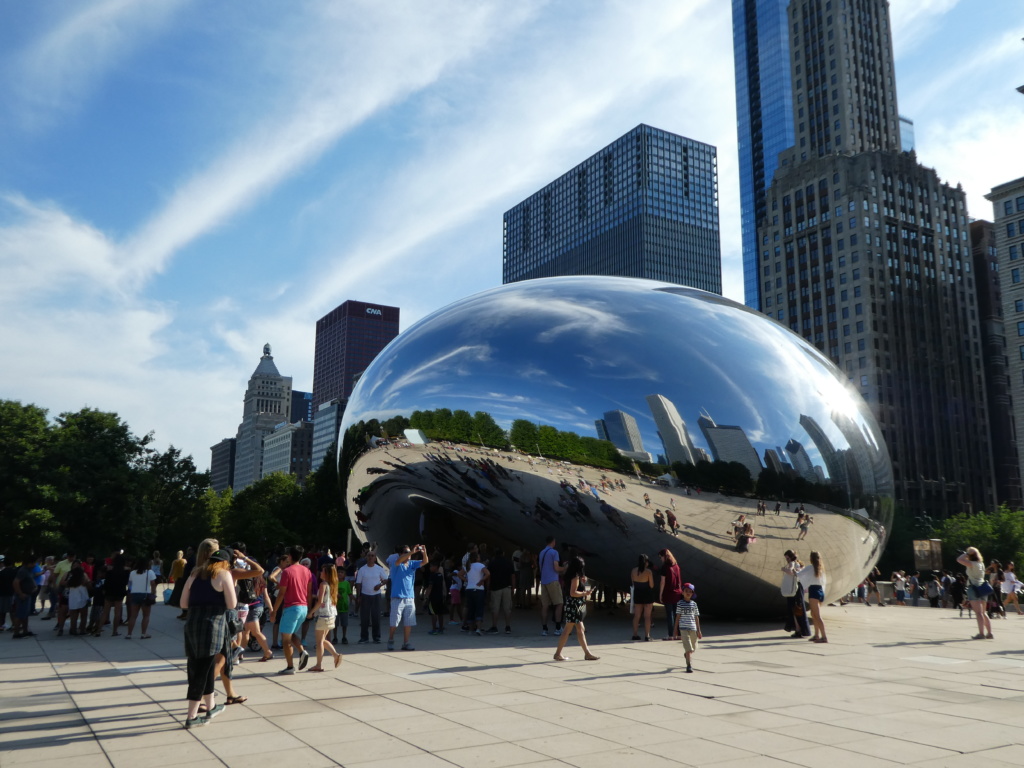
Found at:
(85, 482)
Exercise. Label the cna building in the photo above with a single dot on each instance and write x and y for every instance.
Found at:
(348, 338)
(644, 206)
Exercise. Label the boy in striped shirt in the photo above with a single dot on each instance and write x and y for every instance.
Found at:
(688, 617)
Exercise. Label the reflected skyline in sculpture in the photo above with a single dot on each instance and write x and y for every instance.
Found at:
(547, 368)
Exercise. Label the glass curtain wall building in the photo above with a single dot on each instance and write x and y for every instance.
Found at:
(764, 115)
(644, 206)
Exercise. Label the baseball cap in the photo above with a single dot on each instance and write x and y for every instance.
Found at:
(689, 586)
(221, 556)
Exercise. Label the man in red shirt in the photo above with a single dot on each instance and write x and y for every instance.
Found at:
(295, 588)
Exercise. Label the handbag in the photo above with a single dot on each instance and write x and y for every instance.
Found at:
(632, 605)
(982, 590)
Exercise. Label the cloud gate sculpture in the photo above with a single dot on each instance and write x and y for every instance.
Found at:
(590, 407)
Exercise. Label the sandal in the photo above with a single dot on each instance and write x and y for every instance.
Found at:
(146, 637)
(315, 669)
(236, 699)
(591, 658)
(561, 658)
(266, 658)
(337, 660)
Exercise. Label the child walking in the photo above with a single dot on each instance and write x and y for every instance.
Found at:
(689, 623)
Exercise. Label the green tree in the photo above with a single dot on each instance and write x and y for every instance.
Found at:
(265, 513)
(323, 500)
(172, 495)
(97, 461)
(487, 431)
(26, 493)
(460, 427)
(523, 435)
(998, 534)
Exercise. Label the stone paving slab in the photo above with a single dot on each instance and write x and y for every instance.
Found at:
(897, 686)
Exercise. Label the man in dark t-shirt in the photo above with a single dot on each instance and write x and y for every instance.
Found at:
(502, 583)
(25, 589)
(7, 574)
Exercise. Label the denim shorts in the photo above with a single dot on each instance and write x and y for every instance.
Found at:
(255, 614)
(815, 592)
(291, 619)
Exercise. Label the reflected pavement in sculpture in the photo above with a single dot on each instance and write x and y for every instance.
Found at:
(553, 389)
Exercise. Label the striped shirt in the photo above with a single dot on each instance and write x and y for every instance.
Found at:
(687, 613)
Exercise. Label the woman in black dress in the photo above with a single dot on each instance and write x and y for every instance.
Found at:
(575, 609)
(644, 595)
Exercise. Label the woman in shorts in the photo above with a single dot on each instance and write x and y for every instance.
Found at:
(326, 612)
(978, 590)
(812, 577)
(141, 590)
(642, 579)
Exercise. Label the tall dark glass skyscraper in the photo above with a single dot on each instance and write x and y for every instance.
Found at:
(347, 339)
(764, 115)
(866, 254)
(644, 206)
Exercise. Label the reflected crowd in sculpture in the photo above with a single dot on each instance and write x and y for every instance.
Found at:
(546, 398)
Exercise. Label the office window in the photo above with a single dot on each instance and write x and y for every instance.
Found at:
(1015, 275)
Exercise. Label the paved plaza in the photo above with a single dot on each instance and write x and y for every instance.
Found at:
(894, 686)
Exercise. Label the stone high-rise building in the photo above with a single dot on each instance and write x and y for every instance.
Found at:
(1008, 228)
(865, 253)
(267, 403)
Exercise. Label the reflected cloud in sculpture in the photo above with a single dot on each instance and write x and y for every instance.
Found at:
(702, 378)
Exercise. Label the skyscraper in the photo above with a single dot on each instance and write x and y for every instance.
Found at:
(865, 253)
(801, 461)
(267, 403)
(302, 406)
(222, 464)
(1008, 206)
(764, 116)
(288, 450)
(644, 206)
(347, 339)
(730, 443)
(672, 430)
(622, 430)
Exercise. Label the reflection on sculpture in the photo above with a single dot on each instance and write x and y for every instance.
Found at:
(555, 393)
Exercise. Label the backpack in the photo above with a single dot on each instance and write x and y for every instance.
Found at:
(246, 591)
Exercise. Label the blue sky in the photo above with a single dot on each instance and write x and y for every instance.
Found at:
(183, 181)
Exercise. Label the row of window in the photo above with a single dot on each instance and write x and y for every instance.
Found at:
(1008, 206)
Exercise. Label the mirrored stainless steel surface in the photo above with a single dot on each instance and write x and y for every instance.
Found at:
(545, 400)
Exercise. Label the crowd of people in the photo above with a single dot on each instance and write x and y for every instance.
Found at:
(983, 591)
(300, 603)
(83, 594)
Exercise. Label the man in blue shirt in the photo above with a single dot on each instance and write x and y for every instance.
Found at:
(403, 594)
(550, 587)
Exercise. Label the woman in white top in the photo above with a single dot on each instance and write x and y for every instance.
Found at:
(812, 577)
(1010, 586)
(978, 590)
(141, 594)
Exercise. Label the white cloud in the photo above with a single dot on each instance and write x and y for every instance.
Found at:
(913, 21)
(356, 60)
(61, 68)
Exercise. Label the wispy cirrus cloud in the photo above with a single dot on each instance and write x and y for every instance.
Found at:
(60, 68)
